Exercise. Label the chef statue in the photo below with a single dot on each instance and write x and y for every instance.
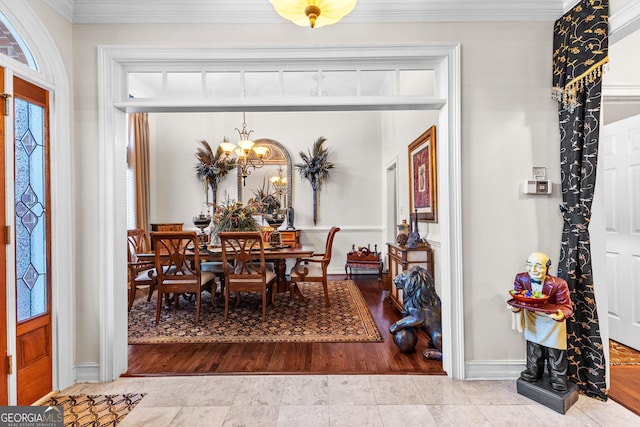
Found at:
(546, 334)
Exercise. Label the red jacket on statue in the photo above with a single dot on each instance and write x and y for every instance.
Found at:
(555, 287)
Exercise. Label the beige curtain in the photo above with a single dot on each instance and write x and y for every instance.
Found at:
(139, 162)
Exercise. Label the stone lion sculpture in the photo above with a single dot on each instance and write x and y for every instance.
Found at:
(422, 309)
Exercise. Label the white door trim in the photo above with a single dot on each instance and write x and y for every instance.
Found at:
(51, 75)
(113, 63)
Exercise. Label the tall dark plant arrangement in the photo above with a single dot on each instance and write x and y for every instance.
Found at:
(212, 167)
(316, 168)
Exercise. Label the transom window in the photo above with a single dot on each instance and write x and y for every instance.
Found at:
(13, 46)
(282, 83)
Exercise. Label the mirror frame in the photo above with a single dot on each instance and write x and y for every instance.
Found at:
(274, 157)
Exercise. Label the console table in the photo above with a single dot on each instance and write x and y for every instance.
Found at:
(401, 259)
(363, 258)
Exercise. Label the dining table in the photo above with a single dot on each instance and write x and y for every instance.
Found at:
(276, 254)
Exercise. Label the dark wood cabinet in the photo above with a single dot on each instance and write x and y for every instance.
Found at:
(165, 226)
(402, 259)
(290, 237)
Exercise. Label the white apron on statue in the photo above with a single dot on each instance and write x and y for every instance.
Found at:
(543, 330)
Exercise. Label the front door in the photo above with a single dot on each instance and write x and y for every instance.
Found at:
(32, 242)
(4, 379)
(620, 151)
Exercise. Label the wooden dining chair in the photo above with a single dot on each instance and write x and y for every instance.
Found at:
(142, 272)
(244, 251)
(314, 268)
(178, 267)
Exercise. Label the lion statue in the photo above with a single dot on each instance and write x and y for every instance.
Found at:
(422, 308)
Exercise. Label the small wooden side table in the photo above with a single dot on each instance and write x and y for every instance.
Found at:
(363, 258)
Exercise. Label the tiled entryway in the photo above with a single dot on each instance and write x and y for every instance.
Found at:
(345, 400)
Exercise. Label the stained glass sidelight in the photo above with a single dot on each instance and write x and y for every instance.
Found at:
(30, 210)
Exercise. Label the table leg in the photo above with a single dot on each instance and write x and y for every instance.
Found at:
(280, 266)
(295, 291)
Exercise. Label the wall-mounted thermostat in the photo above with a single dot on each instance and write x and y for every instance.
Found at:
(539, 184)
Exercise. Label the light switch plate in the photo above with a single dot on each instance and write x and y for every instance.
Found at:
(537, 186)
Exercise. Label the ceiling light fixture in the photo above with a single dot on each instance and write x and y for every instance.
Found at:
(316, 13)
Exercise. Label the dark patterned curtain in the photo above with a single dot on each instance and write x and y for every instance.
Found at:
(580, 47)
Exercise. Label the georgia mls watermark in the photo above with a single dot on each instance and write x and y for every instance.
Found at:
(31, 416)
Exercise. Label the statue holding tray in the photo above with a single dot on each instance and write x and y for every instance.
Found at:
(544, 304)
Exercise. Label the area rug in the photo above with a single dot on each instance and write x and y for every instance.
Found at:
(95, 411)
(347, 319)
(620, 354)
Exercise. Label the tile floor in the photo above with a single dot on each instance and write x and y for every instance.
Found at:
(345, 400)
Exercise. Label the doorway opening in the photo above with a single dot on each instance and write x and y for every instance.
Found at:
(114, 63)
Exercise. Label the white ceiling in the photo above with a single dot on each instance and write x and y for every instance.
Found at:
(261, 11)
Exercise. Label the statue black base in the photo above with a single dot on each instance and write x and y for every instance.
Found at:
(541, 392)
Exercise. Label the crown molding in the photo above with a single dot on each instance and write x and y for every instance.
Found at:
(260, 11)
(625, 22)
(63, 7)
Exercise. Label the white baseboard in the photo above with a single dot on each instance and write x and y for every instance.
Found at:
(493, 369)
(87, 372)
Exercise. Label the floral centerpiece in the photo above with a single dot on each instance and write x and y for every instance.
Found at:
(233, 216)
(267, 203)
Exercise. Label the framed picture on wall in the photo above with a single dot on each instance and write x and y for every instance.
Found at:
(423, 184)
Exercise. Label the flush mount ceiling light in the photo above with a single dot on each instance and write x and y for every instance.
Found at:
(316, 13)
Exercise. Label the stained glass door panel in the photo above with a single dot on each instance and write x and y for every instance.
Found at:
(32, 242)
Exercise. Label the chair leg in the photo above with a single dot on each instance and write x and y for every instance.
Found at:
(159, 306)
(226, 303)
(152, 287)
(292, 286)
(326, 291)
(132, 294)
(264, 305)
(198, 306)
(212, 290)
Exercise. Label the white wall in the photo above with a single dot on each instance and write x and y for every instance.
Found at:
(349, 199)
(622, 80)
(509, 124)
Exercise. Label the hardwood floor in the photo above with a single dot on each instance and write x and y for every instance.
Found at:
(625, 386)
(292, 358)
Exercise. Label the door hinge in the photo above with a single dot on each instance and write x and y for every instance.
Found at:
(5, 97)
(6, 234)
(9, 364)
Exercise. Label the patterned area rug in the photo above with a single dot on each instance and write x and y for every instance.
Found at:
(95, 411)
(347, 319)
(620, 354)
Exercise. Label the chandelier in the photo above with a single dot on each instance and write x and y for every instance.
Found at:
(247, 155)
(316, 13)
(279, 182)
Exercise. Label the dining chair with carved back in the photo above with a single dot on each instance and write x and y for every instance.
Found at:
(141, 272)
(314, 268)
(178, 268)
(244, 252)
